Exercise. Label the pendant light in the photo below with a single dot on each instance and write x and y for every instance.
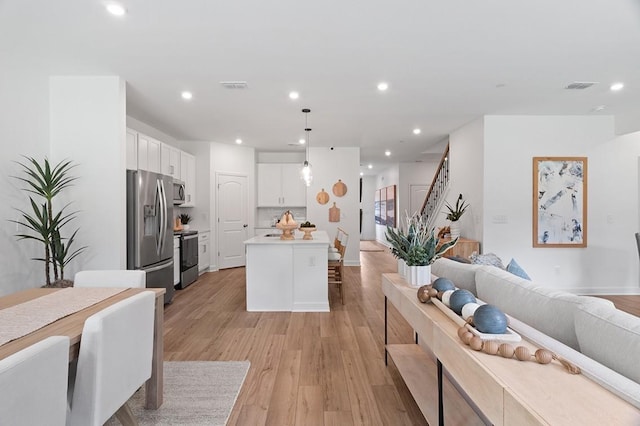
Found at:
(305, 172)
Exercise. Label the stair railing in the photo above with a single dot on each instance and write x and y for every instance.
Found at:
(437, 191)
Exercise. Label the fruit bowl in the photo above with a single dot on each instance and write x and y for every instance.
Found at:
(307, 232)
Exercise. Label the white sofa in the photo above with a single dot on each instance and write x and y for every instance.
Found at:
(588, 331)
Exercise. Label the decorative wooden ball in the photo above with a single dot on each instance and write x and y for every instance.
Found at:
(461, 331)
(544, 356)
(432, 292)
(443, 284)
(466, 337)
(523, 353)
(506, 350)
(423, 294)
(490, 347)
(459, 298)
(475, 343)
(446, 296)
(490, 319)
(468, 310)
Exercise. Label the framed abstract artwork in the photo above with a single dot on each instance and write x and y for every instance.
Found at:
(560, 202)
(391, 206)
(377, 207)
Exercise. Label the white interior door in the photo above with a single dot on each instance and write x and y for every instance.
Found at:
(232, 220)
(418, 194)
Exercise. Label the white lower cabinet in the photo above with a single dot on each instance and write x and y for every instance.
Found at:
(176, 260)
(204, 259)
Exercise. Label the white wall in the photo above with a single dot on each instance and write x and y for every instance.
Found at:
(466, 167)
(24, 130)
(609, 263)
(412, 174)
(88, 126)
(329, 166)
(237, 160)
(368, 208)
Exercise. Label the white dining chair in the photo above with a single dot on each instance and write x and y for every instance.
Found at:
(33, 384)
(116, 351)
(111, 278)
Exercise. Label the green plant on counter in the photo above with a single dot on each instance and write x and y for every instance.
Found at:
(44, 223)
(185, 218)
(418, 246)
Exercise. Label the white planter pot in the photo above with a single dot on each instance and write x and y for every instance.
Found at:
(418, 276)
(402, 268)
(455, 229)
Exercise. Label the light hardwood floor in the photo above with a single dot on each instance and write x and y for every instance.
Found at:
(306, 368)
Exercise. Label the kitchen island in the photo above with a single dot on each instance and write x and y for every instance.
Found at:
(287, 275)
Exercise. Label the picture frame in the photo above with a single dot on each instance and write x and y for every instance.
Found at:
(377, 207)
(559, 202)
(391, 206)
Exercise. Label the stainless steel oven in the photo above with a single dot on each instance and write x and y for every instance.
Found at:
(188, 258)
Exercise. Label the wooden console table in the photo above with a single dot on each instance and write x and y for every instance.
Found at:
(504, 391)
(463, 248)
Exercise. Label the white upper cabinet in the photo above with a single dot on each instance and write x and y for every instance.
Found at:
(132, 150)
(148, 153)
(279, 185)
(188, 176)
(170, 161)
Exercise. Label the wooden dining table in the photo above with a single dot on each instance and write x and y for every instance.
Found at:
(72, 325)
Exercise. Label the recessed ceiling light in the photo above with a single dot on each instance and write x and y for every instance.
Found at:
(294, 95)
(417, 131)
(382, 86)
(370, 166)
(387, 153)
(616, 86)
(116, 9)
(187, 95)
(302, 141)
(238, 141)
(361, 173)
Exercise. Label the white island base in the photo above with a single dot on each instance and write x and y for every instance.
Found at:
(287, 275)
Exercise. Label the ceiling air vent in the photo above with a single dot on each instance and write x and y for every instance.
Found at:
(580, 85)
(234, 84)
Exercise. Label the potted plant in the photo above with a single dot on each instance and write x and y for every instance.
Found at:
(44, 222)
(454, 215)
(185, 219)
(419, 247)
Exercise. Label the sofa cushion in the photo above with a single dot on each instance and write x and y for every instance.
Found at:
(463, 275)
(547, 310)
(516, 269)
(611, 337)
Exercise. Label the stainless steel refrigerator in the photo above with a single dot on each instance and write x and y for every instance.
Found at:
(150, 228)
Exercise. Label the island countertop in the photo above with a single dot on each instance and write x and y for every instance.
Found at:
(319, 237)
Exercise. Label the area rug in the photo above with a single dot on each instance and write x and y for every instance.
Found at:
(370, 246)
(195, 393)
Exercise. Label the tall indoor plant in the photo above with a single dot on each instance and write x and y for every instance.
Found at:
(44, 222)
(419, 247)
(454, 214)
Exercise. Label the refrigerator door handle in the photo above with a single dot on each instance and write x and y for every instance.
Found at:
(158, 225)
(159, 267)
(163, 221)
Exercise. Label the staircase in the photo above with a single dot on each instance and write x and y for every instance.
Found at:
(438, 190)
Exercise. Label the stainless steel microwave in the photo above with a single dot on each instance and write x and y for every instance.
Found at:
(178, 192)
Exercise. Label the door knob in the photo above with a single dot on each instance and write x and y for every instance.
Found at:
(245, 225)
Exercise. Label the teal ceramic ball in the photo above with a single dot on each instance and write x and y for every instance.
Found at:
(490, 319)
(459, 298)
(443, 284)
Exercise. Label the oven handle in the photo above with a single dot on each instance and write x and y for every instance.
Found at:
(190, 237)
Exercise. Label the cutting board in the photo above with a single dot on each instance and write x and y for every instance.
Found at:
(339, 188)
(334, 213)
(322, 197)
